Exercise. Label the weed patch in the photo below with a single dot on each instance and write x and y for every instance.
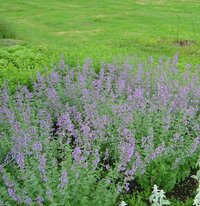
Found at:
(6, 32)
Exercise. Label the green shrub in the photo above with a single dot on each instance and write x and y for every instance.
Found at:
(18, 64)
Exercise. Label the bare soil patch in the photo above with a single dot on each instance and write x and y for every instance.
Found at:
(183, 43)
(184, 189)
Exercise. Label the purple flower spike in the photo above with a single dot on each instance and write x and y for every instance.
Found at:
(20, 160)
(63, 179)
(49, 194)
(39, 200)
(76, 154)
(12, 194)
(42, 164)
(37, 146)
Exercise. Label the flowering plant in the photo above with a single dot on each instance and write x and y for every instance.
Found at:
(158, 197)
(80, 137)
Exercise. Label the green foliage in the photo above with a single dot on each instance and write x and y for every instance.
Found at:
(19, 64)
(6, 32)
(158, 197)
(80, 188)
(188, 202)
(105, 29)
(139, 199)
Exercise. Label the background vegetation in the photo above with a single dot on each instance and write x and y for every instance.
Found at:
(101, 30)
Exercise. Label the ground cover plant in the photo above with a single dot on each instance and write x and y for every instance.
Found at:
(86, 138)
(20, 63)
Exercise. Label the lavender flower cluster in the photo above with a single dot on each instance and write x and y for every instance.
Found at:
(80, 134)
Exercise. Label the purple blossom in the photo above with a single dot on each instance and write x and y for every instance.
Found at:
(20, 160)
(63, 179)
(163, 93)
(177, 138)
(7, 182)
(39, 77)
(138, 93)
(4, 96)
(97, 84)
(64, 121)
(126, 152)
(28, 201)
(76, 154)
(27, 93)
(12, 194)
(126, 186)
(42, 164)
(97, 158)
(54, 77)
(39, 200)
(166, 122)
(138, 161)
(121, 85)
(132, 171)
(107, 166)
(37, 146)
(52, 94)
(85, 129)
(194, 146)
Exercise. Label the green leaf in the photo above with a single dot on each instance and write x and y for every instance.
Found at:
(198, 174)
(194, 177)
(166, 202)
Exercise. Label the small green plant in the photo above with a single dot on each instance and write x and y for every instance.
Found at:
(122, 204)
(197, 177)
(158, 197)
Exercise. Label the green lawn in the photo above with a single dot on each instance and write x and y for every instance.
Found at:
(103, 29)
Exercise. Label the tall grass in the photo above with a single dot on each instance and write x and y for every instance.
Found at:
(6, 31)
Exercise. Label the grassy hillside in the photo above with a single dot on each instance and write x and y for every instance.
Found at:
(106, 28)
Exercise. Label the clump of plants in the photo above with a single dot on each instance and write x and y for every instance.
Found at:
(81, 137)
(6, 31)
(19, 64)
(158, 197)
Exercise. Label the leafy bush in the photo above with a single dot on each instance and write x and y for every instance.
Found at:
(19, 64)
(80, 137)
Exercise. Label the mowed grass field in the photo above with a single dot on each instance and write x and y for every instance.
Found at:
(105, 29)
